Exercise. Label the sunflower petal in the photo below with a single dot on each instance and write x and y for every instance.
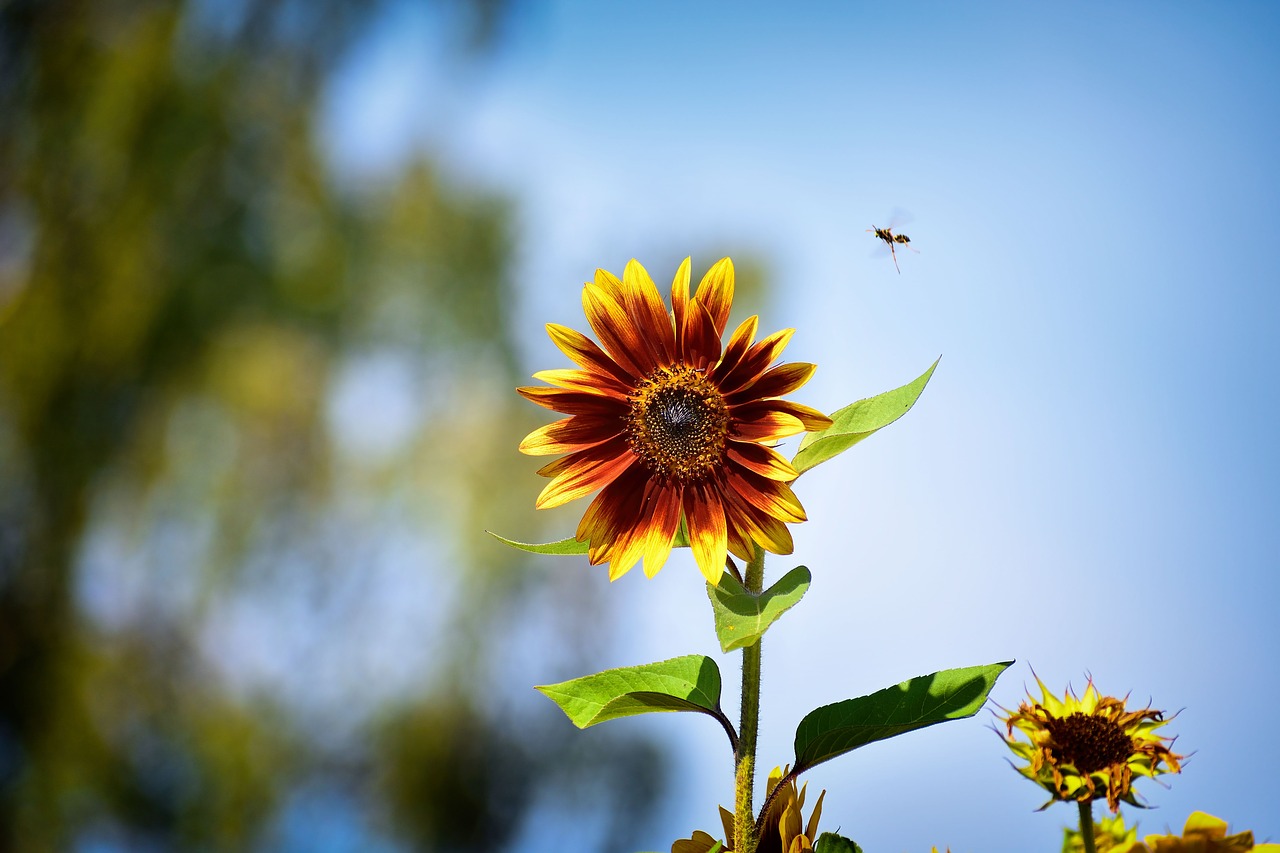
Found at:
(782, 379)
(756, 361)
(585, 353)
(617, 334)
(769, 533)
(569, 434)
(715, 293)
(664, 519)
(573, 402)
(774, 499)
(585, 380)
(680, 302)
(761, 460)
(708, 534)
(589, 470)
(766, 426)
(650, 314)
(612, 285)
(810, 418)
(701, 343)
(739, 342)
(616, 510)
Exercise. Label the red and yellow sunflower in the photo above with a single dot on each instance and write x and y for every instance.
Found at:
(671, 425)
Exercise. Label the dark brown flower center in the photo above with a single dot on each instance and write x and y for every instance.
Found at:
(677, 423)
(1089, 742)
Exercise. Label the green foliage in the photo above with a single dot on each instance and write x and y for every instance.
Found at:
(689, 683)
(829, 842)
(857, 421)
(187, 294)
(561, 547)
(742, 618)
(952, 694)
(571, 547)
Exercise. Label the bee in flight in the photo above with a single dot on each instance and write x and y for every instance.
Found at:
(887, 235)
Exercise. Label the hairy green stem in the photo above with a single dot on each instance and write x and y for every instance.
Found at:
(744, 822)
(1086, 825)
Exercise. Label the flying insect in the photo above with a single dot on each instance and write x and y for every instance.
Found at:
(886, 234)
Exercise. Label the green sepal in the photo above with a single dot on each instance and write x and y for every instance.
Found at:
(563, 547)
(742, 618)
(857, 421)
(952, 694)
(829, 842)
(689, 683)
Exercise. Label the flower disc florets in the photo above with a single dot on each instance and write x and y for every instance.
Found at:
(678, 423)
(671, 425)
(1088, 748)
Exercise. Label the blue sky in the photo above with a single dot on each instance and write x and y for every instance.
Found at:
(1087, 485)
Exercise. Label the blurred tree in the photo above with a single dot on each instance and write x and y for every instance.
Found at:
(205, 514)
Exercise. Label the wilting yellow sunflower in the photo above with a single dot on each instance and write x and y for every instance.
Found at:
(670, 425)
(1203, 833)
(783, 831)
(1084, 749)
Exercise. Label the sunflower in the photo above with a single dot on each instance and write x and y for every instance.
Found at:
(672, 427)
(783, 830)
(1203, 833)
(1083, 749)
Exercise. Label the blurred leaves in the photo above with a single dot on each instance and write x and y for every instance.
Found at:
(250, 421)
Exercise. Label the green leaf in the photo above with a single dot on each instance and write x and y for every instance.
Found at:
(829, 842)
(562, 547)
(858, 420)
(952, 694)
(742, 618)
(689, 683)
(572, 547)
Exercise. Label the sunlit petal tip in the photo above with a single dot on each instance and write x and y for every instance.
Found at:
(536, 443)
(609, 283)
(680, 283)
(715, 293)
(813, 420)
(635, 275)
(617, 570)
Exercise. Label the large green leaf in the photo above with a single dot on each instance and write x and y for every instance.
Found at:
(742, 618)
(689, 683)
(858, 420)
(562, 547)
(829, 842)
(952, 694)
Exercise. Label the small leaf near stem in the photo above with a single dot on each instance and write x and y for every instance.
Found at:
(742, 617)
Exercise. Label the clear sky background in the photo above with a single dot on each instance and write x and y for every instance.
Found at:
(1088, 483)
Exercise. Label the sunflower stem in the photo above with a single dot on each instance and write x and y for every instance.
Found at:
(1086, 825)
(744, 830)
